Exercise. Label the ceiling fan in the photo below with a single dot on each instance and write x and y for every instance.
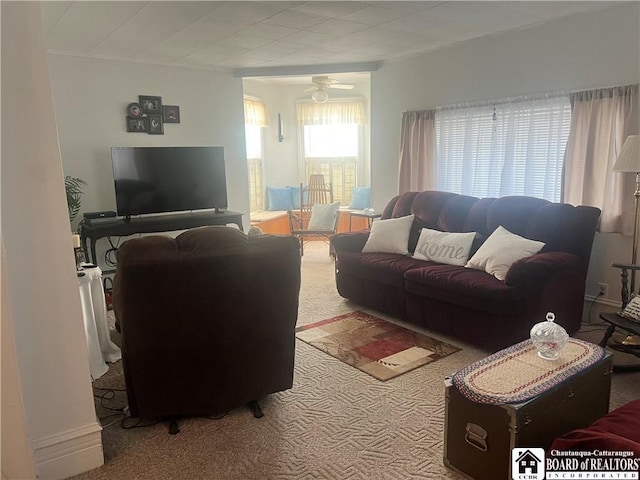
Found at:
(320, 83)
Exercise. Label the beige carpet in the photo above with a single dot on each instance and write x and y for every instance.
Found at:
(336, 422)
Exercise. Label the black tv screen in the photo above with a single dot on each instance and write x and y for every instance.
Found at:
(168, 179)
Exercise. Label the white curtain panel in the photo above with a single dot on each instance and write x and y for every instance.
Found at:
(417, 152)
(601, 121)
(508, 147)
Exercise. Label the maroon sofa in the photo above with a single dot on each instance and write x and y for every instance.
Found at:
(470, 304)
(207, 319)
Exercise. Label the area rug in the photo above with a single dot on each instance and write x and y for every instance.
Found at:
(377, 347)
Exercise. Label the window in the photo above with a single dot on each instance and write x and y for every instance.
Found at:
(255, 117)
(253, 138)
(511, 148)
(332, 138)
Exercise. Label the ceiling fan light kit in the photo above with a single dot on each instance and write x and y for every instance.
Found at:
(321, 82)
(320, 96)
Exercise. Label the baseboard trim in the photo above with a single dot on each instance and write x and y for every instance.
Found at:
(69, 453)
(602, 301)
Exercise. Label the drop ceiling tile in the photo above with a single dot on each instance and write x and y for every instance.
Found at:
(418, 23)
(300, 20)
(379, 49)
(172, 50)
(345, 43)
(195, 62)
(270, 32)
(338, 28)
(205, 32)
(331, 9)
(240, 62)
(245, 13)
(244, 41)
(284, 47)
(374, 15)
(460, 10)
(307, 37)
(407, 7)
(156, 22)
(389, 36)
(85, 24)
(264, 53)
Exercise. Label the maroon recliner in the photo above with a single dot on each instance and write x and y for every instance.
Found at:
(207, 319)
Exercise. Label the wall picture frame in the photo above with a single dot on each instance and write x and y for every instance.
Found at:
(156, 126)
(137, 125)
(134, 110)
(171, 114)
(150, 104)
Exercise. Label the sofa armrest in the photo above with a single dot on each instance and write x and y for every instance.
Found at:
(349, 241)
(531, 272)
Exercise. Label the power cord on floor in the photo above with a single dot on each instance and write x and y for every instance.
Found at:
(593, 302)
(108, 394)
(137, 423)
(600, 294)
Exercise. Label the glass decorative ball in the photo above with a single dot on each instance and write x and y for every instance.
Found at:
(549, 338)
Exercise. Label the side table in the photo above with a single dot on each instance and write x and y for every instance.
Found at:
(368, 215)
(615, 321)
(96, 327)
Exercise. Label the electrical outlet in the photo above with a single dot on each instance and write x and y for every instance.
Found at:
(603, 288)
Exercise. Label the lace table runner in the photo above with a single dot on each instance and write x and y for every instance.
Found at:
(517, 373)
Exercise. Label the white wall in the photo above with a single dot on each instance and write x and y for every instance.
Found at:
(583, 51)
(282, 165)
(39, 280)
(90, 97)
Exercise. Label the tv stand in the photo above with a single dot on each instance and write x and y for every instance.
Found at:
(91, 232)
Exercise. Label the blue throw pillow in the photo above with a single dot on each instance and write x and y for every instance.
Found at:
(361, 198)
(295, 196)
(279, 199)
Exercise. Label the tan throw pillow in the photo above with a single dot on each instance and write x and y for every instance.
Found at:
(501, 250)
(390, 236)
(451, 248)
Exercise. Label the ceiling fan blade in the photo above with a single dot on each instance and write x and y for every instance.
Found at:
(341, 86)
(311, 89)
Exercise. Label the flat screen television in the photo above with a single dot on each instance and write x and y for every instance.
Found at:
(168, 179)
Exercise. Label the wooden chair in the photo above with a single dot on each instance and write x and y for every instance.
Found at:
(315, 193)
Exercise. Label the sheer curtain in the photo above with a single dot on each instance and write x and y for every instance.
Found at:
(333, 112)
(511, 147)
(255, 113)
(601, 121)
(417, 152)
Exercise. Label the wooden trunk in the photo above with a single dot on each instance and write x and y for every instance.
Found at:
(479, 437)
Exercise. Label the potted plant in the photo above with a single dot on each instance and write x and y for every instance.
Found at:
(73, 187)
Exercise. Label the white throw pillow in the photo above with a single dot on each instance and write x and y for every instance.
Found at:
(501, 250)
(451, 248)
(323, 216)
(390, 236)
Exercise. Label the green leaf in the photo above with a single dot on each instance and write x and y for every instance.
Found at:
(74, 188)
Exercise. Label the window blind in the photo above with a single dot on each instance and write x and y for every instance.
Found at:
(510, 148)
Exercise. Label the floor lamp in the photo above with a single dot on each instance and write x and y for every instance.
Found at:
(629, 161)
